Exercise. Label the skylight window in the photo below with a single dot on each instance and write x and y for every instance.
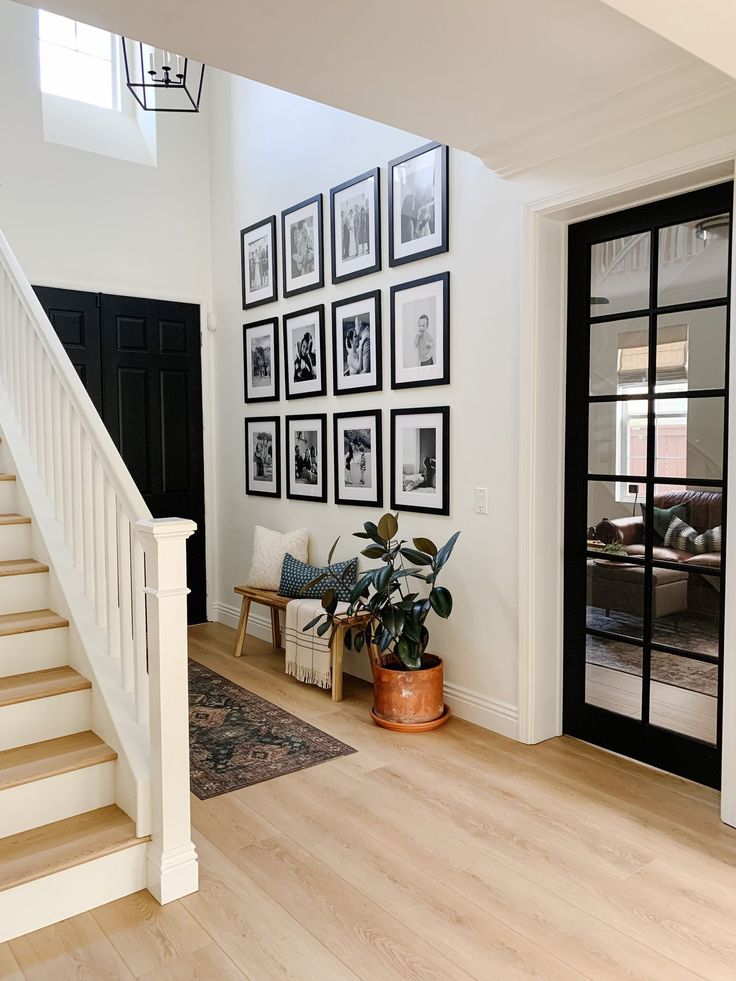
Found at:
(77, 61)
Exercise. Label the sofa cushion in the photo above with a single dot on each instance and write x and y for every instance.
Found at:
(681, 536)
(662, 519)
(710, 559)
(659, 552)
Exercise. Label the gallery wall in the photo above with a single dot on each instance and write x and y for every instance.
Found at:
(271, 150)
(84, 220)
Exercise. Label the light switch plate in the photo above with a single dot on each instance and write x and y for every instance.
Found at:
(481, 500)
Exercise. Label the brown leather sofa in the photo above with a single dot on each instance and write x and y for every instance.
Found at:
(704, 512)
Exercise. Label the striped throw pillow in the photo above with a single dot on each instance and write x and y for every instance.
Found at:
(296, 574)
(683, 538)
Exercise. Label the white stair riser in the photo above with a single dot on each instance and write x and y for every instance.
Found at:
(63, 795)
(45, 718)
(34, 651)
(8, 497)
(19, 594)
(15, 541)
(61, 895)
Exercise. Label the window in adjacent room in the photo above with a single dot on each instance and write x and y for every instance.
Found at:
(77, 61)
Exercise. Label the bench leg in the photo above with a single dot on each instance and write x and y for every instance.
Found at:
(239, 648)
(338, 647)
(275, 628)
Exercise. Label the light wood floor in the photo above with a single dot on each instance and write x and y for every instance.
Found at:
(451, 855)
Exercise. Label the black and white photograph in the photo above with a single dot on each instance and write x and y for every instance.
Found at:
(355, 222)
(420, 459)
(261, 360)
(306, 460)
(418, 204)
(258, 263)
(356, 344)
(358, 452)
(304, 353)
(420, 332)
(301, 243)
(263, 456)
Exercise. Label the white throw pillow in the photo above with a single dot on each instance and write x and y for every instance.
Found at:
(269, 549)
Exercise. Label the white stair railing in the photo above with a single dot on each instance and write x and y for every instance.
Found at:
(121, 553)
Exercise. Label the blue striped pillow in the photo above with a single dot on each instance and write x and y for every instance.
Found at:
(296, 574)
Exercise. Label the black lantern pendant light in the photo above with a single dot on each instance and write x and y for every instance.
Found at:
(162, 81)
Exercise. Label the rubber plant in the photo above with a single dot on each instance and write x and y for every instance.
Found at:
(398, 611)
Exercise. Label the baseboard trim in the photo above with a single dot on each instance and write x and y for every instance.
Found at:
(472, 706)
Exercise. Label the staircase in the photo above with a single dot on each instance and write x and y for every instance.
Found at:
(94, 754)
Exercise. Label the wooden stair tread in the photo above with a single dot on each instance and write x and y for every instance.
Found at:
(40, 684)
(21, 623)
(21, 567)
(7, 476)
(25, 764)
(62, 845)
(14, 519)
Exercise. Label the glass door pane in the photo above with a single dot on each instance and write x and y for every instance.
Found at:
(619, 275)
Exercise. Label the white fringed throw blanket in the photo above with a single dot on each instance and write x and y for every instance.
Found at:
(307, 655)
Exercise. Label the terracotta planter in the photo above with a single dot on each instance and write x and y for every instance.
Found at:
(410, 701)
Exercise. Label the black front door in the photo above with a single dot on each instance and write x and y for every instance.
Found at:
(140, 362)
(647, 411)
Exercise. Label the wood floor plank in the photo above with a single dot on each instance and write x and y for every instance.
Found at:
(228, 823)
(9, 967)
(257, 933)
(69, 951)
(17, 688)
(51, 757)
(148, 936)
(210, 963)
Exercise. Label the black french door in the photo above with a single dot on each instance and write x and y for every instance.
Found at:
(645, 481)
(139, 360)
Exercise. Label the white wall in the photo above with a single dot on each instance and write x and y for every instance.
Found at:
(80, 219)
(271, 150)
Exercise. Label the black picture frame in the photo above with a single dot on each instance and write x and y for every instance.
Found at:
(269, 223)
(438, 378)
(377, 500)
(440, 243)
(314, 417)
(276, 456)
(318, 245)
(374, 296)
(248, 394)
(321, 360)
(399, 503)
(375, 266)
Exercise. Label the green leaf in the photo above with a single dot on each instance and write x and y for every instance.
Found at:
(425, 545)
(312, 623)
(361, 587)
(403, 573)
(329, 600)
(412, 631)
(372, 532)
(424, 639)
(323, 628)
(359, 641)
(360, 534)
(441, 600)
(348, 640)
(387, 527)
(332, 552)
(314, 582)
(445, 552)
(373, 552)
(418, 558)
(409, 654)
(382, 578)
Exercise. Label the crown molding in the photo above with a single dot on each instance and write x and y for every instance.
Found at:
(687, 86)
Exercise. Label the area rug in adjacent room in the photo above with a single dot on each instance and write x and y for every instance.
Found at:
(237, 739)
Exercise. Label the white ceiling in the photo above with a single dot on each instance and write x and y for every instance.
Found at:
(515, 81)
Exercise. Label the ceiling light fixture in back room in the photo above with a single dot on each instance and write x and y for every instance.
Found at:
(162, 81)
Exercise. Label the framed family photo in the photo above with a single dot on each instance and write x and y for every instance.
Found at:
(263, 456)
(301, 244)
(261, 360)
(420, 460)
(420, 332)
(355, 223)
(356, 344)
(258, 263)
(358, 450)
(306, 457)
(418, 204)
(304, 353)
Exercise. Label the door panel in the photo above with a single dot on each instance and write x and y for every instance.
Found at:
(140, 361)
(645, 498)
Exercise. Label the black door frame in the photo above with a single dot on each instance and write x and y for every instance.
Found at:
(638, 739)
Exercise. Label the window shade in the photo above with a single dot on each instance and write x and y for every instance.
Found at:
(633, 355)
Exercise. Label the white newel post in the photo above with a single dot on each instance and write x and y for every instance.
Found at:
(172, 857)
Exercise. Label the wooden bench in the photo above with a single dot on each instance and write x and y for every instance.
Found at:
(271, 599)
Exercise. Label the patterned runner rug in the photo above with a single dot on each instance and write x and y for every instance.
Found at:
(237, 739)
